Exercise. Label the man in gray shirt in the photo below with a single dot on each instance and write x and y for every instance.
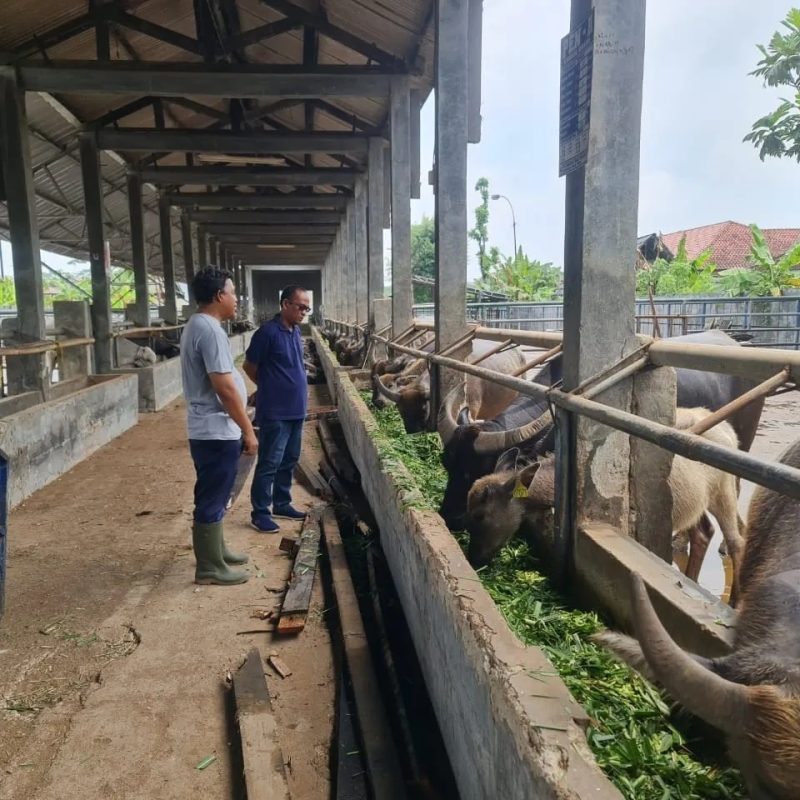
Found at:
(218, 425)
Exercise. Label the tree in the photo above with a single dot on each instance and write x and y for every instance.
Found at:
(423, 257)
(682, 275)
(480, 233)
(778, 134)
(520, 278)
(766, 277)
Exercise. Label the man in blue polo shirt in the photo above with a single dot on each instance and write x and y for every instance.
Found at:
(274, 362)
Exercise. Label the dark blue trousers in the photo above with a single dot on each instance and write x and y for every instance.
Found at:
(215, 462)
(279, 445)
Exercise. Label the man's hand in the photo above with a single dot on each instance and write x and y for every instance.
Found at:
(250, 444)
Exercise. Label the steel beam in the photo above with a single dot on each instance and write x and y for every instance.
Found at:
(310, 218)
(145, 140)
(101, 291)
(287, 231)
(15, 157)
(167, 261)
(240, 200)
(276, 238)
(142, 304)
(249, 176)
(210, 80)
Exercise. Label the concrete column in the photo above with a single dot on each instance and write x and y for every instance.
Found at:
(167, 259)
(141, 307)
(27, 373)
(101, 295)
(416, 109)
(352, 262)
(74, 319)
(188, 252)
(375, 222)
(450, 293)
(402, 294)
(202, 249)
(361, 252)
(213, 258)
(247, 310)
(599, 276)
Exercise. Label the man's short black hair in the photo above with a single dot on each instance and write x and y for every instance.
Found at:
(290, 291)
(208, 283)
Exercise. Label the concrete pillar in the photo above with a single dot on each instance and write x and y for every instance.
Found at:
(27, 373)
(213, 258)
(450, 292)
(101, 294)
(352, 262)
(168, 260)
(188, 252)
(361, 252)
(402, 294)
(599, 275)
(375, 221)
(141, 307)
(416, 154)
(73, 318)
(202, 249)
(247, 311)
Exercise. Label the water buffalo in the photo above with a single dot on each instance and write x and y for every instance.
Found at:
(482, 398)
(471, 451)
(753, 694)
(497, 510)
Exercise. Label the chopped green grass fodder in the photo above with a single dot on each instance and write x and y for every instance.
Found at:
(630, 734)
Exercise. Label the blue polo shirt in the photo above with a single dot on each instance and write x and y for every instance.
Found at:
(282, 385)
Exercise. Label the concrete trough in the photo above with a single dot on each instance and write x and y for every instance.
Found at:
(43, 440)
(503, 737)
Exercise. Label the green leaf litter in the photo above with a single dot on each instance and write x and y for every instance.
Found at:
(631, 733)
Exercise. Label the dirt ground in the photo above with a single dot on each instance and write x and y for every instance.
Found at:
(113, 664)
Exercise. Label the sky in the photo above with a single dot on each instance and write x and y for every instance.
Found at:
(699, 102)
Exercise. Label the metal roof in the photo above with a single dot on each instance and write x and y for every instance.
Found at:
(401, 29)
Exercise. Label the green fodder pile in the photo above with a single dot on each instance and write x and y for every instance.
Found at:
(630, 734)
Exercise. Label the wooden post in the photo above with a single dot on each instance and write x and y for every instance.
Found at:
(28, 373)
(101, 294)
(142, 302)
(402, 295)
(375, 222)
(450, 292)
(167, 260)
(599, 274)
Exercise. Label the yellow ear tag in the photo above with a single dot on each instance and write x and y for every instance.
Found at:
(519, 490)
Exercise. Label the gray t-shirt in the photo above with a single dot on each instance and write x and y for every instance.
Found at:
(205, 348)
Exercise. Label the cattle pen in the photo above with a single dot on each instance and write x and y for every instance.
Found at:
(280, 140)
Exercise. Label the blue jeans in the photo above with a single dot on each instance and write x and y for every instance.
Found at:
(215, 462)
(279, 444)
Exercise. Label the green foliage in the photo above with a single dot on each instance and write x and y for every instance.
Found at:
(522, 278)
(8, 297)
(681, 276)
(480, 233)
(630, 731)
(423, 257)
(766, 277)
(778, 134)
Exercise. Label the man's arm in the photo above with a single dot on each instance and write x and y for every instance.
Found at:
(228, 394)
(251, 370)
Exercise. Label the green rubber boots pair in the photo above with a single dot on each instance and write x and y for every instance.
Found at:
(213, 556)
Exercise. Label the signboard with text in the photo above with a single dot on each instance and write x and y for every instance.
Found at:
(576, 96)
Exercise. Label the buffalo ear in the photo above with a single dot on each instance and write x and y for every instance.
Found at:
(509, 484)
(527, 475)
(463, 416)
(507, 460)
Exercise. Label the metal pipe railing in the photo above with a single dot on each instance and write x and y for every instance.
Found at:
(45, 347)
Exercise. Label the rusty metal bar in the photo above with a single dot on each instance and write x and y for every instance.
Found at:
(465, 339)
(615, 378)
(504, 345)
(45, 347)
(540, 359)
(143, 331)
(743, 400)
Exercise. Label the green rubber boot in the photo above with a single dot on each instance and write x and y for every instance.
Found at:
(233, 558)
(211, 567)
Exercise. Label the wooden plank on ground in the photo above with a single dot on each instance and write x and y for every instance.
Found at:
(339, 459)
(383, 765)
(298, 596)
(264, 773)
(322, 412)
(307, 473)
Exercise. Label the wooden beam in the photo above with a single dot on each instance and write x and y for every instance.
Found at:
(276, 238)
(309, 218)
(39, 44)
(287, 231)
(120, 113)
(264, 771)
(320, 22)
(201, 108)
(258, 142)
(153, 30)
(262, 32)
(298, 596)
(355, 122)
(242, 200)
(213, 80)
(249, 176)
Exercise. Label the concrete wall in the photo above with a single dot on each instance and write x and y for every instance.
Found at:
(158, 384)
(267, 286)
(46, 440)
(240, 342)
(505, 740)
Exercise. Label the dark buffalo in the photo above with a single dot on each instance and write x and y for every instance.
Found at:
(471, 451)
(753, 694)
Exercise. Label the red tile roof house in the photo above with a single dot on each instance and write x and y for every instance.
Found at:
(730, 242)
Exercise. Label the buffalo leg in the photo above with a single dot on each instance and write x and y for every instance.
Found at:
(699, 539)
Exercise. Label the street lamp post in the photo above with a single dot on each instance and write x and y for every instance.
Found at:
(513, 219)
